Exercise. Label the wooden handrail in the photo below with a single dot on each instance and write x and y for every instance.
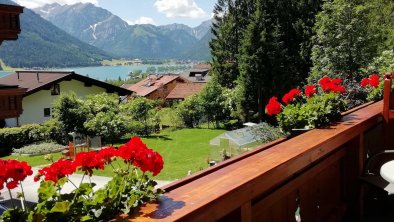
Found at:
(236, 190)
(388, 96)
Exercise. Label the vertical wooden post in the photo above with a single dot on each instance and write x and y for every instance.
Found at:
(246, 212)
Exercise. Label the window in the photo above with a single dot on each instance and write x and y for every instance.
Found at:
(47, 112)
(55, 89)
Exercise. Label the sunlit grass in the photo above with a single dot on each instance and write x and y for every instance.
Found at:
(182, 150)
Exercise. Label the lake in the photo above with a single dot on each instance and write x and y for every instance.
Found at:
(102, 72)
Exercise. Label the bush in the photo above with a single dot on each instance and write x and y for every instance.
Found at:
(19, 136)
(53, 131)
(42, 148)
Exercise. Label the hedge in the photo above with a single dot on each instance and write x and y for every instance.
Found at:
(17, 137)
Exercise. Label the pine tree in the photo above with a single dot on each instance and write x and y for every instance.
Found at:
(274, 52)
(230, 19)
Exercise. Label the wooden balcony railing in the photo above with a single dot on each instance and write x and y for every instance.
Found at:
(9, 22)
(314, 175)
(11, 101)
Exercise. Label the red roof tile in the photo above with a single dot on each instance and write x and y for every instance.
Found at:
(151, 84)
(183, 90)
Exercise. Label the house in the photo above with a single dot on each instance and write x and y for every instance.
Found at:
(156, 86)
(184, 90)
(199, 74)
(43, 87)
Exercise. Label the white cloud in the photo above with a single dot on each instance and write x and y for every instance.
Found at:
(38, 3)
(142, 20)
(179, 8)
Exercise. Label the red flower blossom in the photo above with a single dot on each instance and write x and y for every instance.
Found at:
(374, 80)
(137, 153)
(290, 96)
(13, 172)
(310, 91)
(364, 82)
(331, 85)
(87, 161)
(56, 171)
(273, 107)
(106, 154)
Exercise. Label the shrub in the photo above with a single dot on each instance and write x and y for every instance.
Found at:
(41, 148)
(53, 131)
(17, 137)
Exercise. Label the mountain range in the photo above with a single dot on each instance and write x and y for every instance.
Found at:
(104, 30)
(42, 44)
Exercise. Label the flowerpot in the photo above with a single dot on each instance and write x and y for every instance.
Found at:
(296, 132)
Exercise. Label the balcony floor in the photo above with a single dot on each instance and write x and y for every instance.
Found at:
(378, 207)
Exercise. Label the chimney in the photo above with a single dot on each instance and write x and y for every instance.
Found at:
(38, 77)
(17, 73)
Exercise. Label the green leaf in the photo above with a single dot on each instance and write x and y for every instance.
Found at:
(46, 191)
(86, 218)
(62, 181)
(61, 207)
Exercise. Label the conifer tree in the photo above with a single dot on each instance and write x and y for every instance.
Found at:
(274, 51)
(230, 19)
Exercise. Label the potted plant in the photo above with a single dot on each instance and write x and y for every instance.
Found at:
(316, 107)
(129, 188)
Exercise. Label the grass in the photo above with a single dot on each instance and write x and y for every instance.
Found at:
(33, 160)
(182, 150)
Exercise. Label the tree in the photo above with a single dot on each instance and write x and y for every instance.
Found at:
(230, 19)
(190, 110)
(213, 103)
(143, 115)
(343, 42)
(273, 55)
(71, 112)
(104, 117)
(109, 125)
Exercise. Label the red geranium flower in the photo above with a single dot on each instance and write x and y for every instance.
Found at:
(13, 172)
(106, 154)
(87, 161)
(374, 80)
(364, 82)
(56, 171)
(331, 85)
(137, 153)
(290, 96)
(273, 107)
(310, 91)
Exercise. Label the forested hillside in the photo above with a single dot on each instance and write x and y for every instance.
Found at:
(41, 44)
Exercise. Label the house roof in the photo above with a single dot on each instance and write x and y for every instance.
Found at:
(37, 80)
(194, 79)
(151, 84)
(202, 66)
(183, 90)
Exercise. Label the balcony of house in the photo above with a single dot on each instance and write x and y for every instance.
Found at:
(311, 177)
(9, 22)
(10, 101)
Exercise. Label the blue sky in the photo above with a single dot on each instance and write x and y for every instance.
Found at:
(157, 12)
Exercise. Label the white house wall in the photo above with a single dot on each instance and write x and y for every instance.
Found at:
(34, 104)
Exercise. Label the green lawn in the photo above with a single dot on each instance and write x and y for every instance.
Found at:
(182, 150)
(33, 160)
